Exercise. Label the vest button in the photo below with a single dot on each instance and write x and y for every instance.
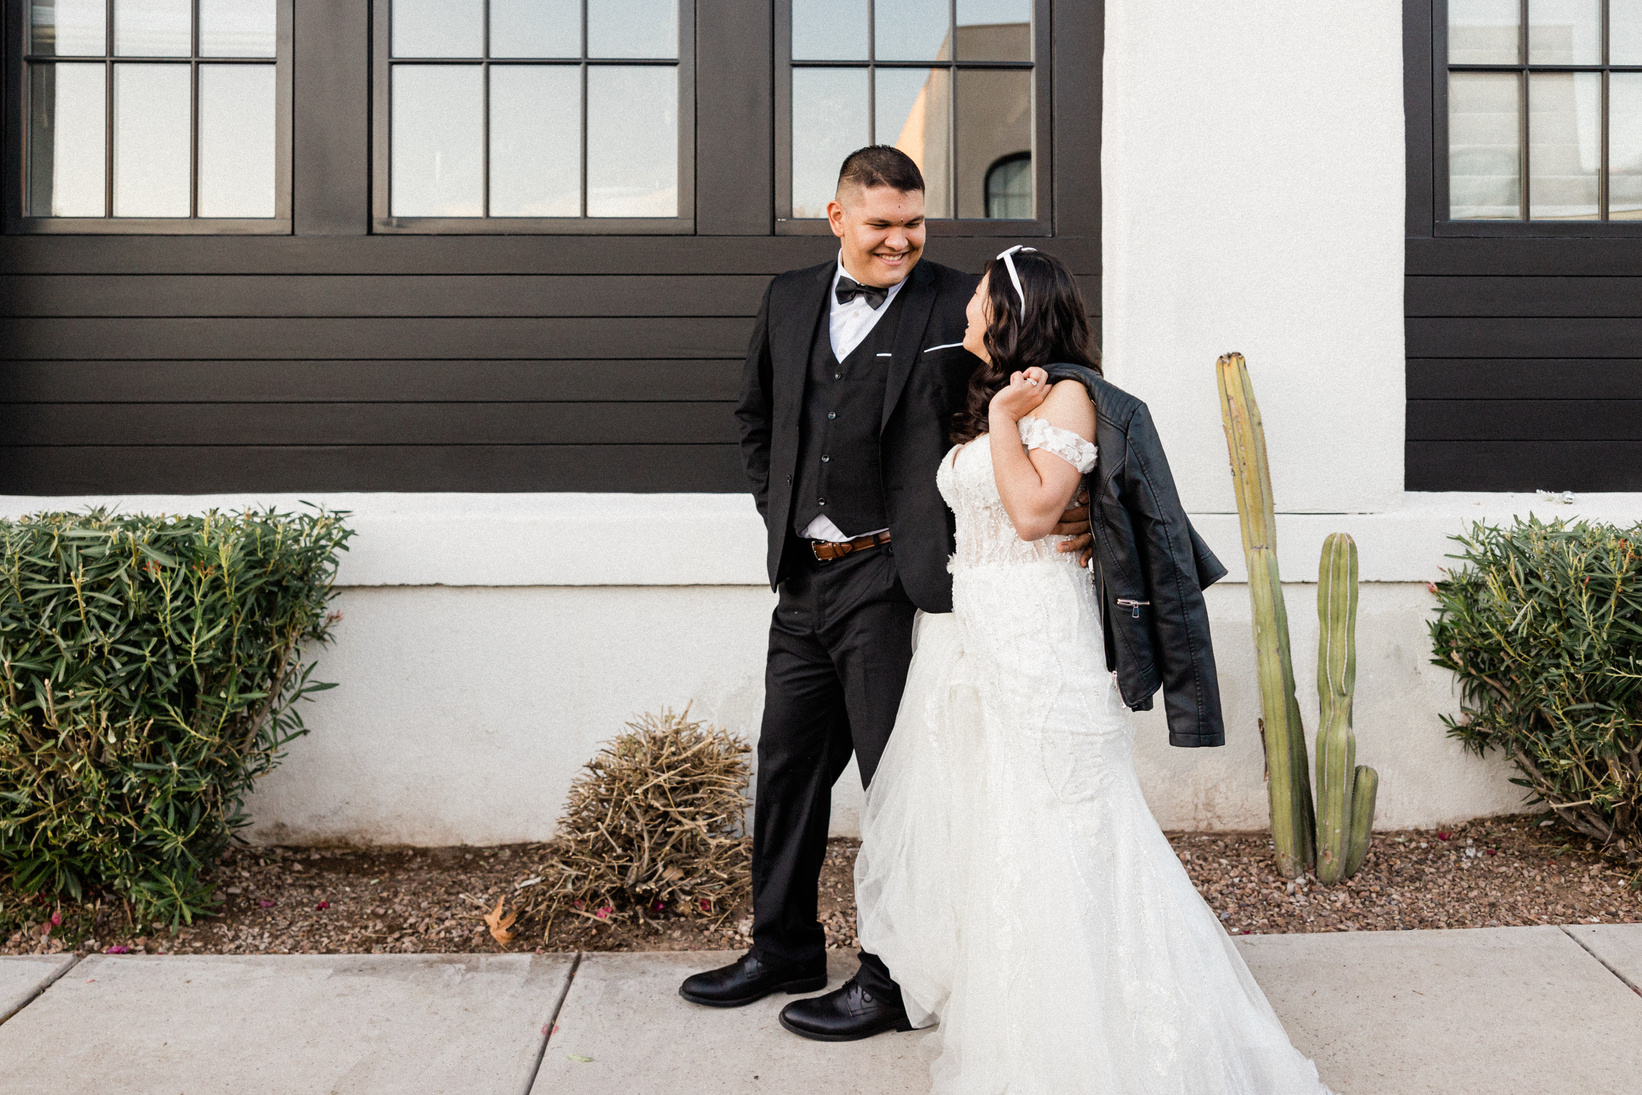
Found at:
(838, 376)
(820, 501)
(832, 414)
(825, 459)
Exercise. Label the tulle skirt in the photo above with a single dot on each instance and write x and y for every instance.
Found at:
(1017, 885)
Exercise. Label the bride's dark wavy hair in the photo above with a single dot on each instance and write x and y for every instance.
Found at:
(1052, 328)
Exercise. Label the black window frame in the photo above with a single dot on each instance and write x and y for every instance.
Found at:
(382, 62)
(17, 219)
(1043, 150)
(1443, 224)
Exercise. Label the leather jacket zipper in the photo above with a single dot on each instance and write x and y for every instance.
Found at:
(1134, 606)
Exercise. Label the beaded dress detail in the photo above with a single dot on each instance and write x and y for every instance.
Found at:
(1011, 874)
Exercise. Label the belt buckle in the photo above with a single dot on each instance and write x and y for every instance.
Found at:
(815, 551)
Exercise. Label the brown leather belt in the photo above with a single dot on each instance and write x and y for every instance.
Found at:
(827, 550)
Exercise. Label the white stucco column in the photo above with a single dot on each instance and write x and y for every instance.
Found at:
(1253, 201)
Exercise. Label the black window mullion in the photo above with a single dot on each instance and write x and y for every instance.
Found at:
(1602, 121)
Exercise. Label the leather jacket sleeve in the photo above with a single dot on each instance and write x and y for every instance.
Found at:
(754, 410)
(1173, 569)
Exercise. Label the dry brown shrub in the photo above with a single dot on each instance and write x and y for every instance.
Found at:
(652, 828)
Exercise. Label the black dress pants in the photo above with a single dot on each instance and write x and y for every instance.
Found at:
(840, 645)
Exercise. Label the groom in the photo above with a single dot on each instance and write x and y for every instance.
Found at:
(853, 374)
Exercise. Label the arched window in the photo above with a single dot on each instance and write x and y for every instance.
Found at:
(1009, 188)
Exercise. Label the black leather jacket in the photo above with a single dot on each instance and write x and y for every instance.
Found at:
(1151, 568)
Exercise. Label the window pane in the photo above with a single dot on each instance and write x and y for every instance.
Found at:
(1009, 189)
(829, 121)
(1624, 33)
(535, 141)
(153, 28)
(67, 114)
(438, 28)
(236, 141)
(993, 123)
(632, 28)
(911, 30)
(236, 28)
(68, 28)
(1624, 145)
(438, 141)
(535, 28)
(1565, 32)
(1484, 146)
(1564, 144)
(912, 107)
(994, 30)
(829, 30)
(1484, 32)
(151, 140)
(632, 141)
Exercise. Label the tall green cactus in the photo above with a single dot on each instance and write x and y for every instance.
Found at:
(1288, 781)
(1345, 789)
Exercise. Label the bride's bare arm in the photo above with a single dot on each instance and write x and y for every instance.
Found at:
(1036, 485)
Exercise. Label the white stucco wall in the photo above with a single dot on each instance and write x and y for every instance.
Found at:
(1252, 200)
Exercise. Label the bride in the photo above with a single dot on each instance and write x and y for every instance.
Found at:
(1010, 873)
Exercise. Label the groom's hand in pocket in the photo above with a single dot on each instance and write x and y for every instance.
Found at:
(1074, 523)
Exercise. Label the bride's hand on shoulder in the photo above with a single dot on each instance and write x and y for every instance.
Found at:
(1021, 396)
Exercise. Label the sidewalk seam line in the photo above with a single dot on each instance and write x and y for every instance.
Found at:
(41, 991)
(1626, 981)
(547, 1035)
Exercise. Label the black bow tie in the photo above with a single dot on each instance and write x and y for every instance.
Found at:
(848, 289)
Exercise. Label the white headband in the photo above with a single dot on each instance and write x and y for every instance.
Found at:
(1015, 278)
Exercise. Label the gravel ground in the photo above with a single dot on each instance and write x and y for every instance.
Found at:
(1501, 872)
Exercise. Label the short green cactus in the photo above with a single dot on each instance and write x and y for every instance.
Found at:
(1345, 789)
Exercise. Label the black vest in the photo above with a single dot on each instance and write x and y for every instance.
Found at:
(838, 459)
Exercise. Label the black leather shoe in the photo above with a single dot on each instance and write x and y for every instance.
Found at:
(845, 1014)
(750, 978)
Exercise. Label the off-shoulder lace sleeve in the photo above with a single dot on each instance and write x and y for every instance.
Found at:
(1038, 434)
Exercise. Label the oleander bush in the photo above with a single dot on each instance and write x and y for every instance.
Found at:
(653, 827)
(1543, 626)
(150, 671)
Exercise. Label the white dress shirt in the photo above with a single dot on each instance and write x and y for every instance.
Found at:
(847, 325)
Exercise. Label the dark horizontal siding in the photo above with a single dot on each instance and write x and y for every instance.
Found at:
(1524, 364)
(382, 363)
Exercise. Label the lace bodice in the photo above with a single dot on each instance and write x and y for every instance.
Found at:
(985, 533)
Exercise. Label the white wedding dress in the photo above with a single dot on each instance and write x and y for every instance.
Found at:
(1011, 875)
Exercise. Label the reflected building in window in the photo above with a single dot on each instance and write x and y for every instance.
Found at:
(963, 111)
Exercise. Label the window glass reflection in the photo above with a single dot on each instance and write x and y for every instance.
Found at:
(438, 28)
(237, 28)
(1009, 188)
(829, 30)
(1484, 32)
(911, 108)
(67, 119)
(438, 141)
(1565, 32)
(236, 141)
(153, 28)
(1564, 144)
(829, 121)
(911, 30)
(152, 135)
(536, 28)
(535, 141)
(993, 121)
(1485, 146)
(1625, 145)
(632, 28)
(632, 141)
(994, 30)
(68, 28)
(1625, 34)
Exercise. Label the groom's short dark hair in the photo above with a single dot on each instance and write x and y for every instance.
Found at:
(881, 165)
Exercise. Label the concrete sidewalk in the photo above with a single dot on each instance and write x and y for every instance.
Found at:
(1498, 1011)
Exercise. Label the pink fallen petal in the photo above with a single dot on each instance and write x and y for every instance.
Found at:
(323, 905)
(266, 904)
(116, 950)
(56, 918)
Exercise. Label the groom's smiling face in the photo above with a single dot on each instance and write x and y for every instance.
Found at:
(880, 230)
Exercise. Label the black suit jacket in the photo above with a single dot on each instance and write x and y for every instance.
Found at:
(926, 386)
